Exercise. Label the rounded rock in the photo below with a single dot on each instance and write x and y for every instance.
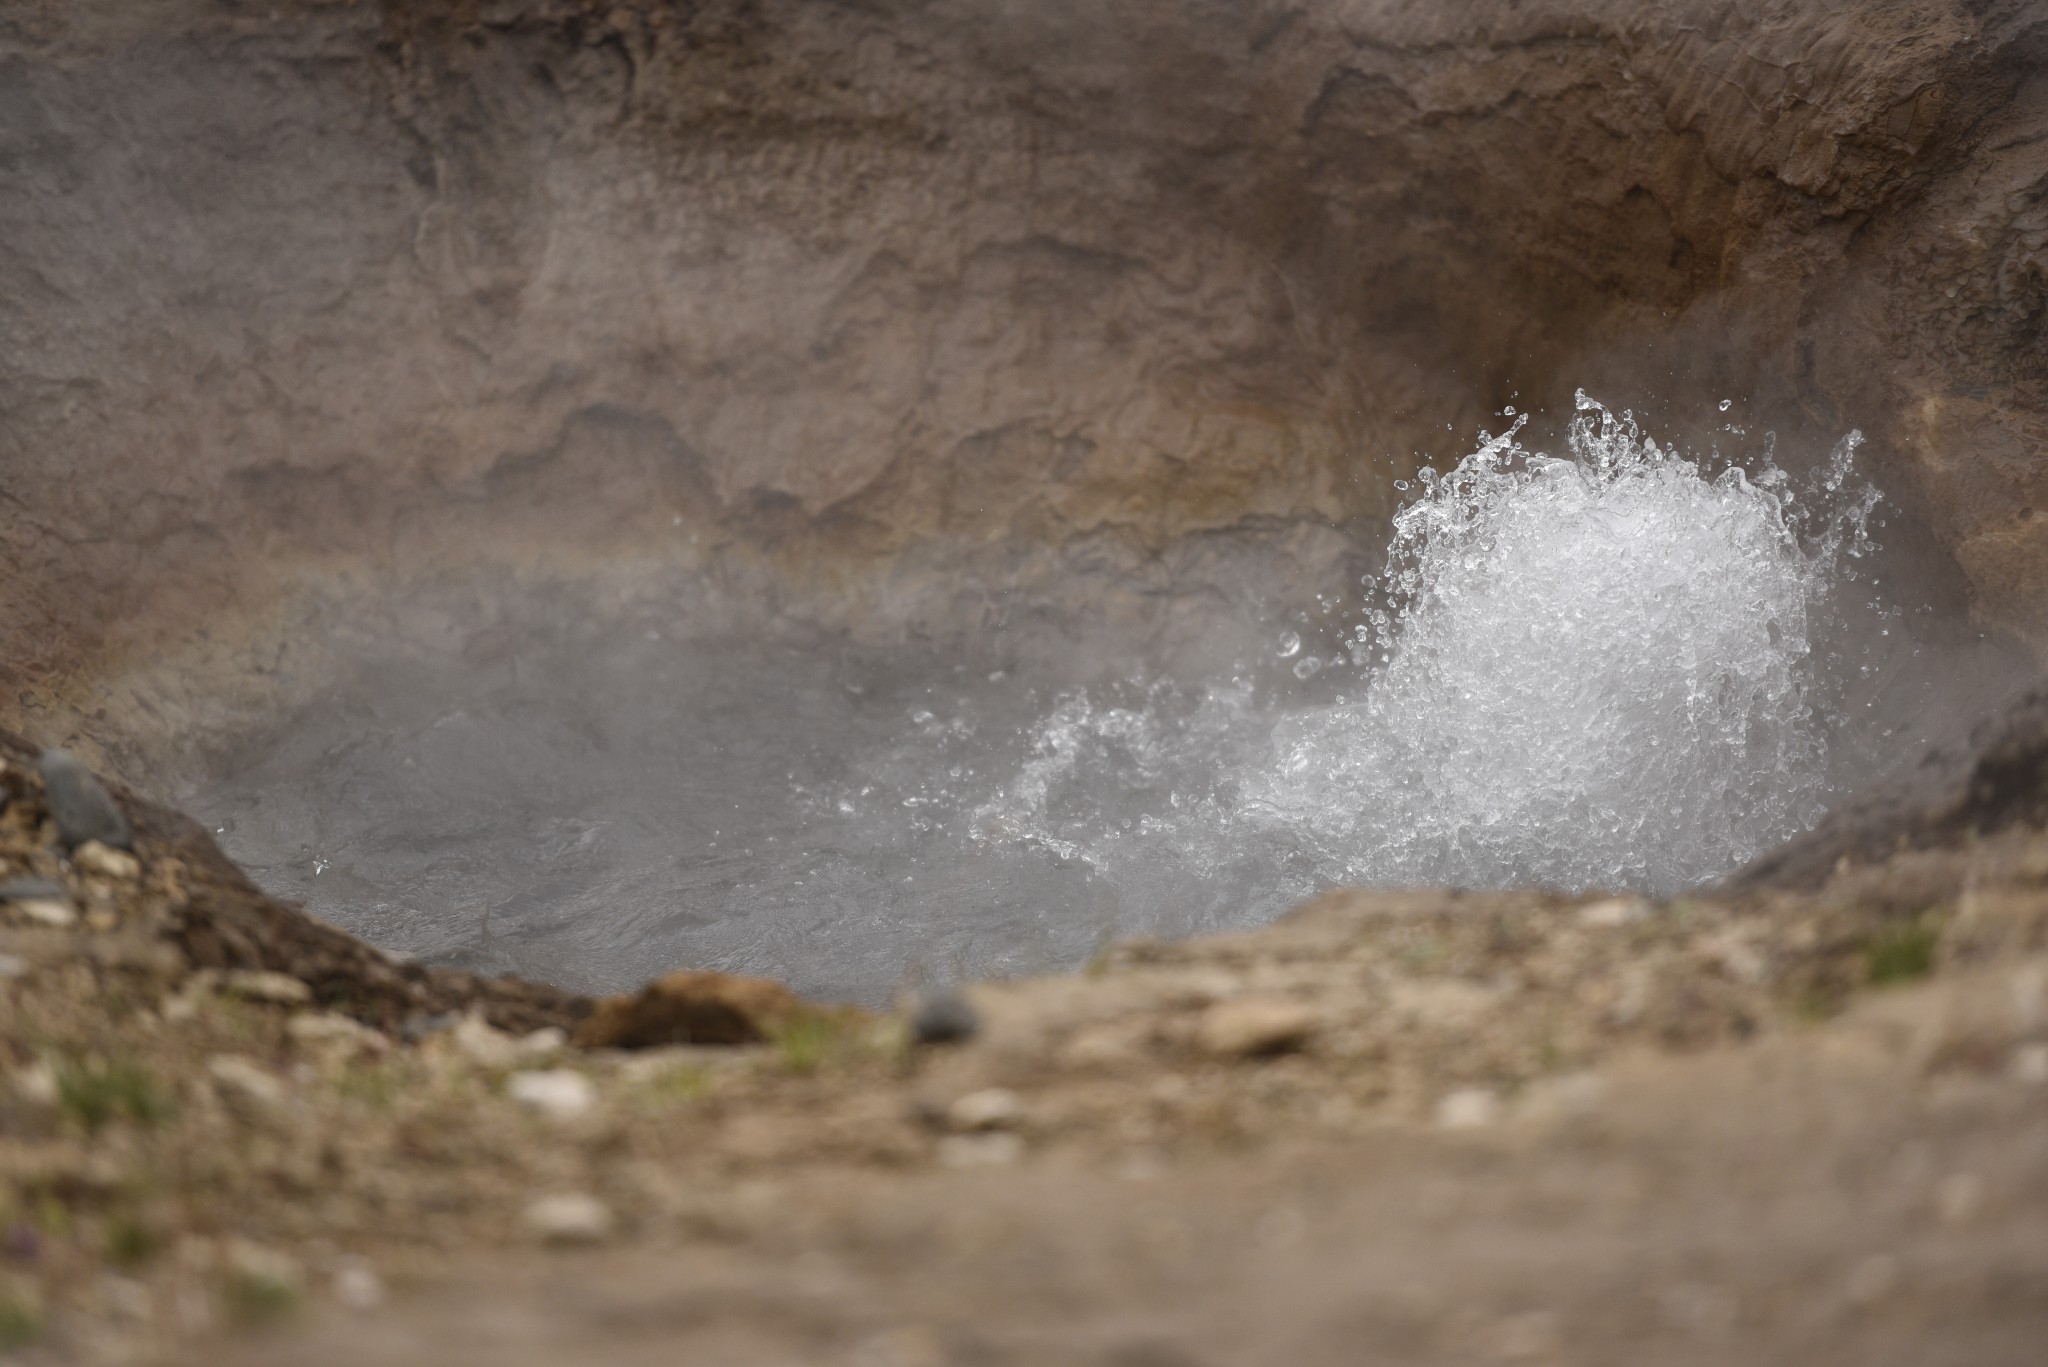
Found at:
(1252, 1027)
(558, 1093)
(80, 804)
(944, 1018)
(97, 857)
(992, 1108)
(572, 1217)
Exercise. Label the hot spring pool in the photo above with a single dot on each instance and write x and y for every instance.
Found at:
(1620, 666)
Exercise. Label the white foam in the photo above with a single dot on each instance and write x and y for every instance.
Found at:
(1599, 670)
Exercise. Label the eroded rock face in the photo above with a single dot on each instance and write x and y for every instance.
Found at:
(856, 310)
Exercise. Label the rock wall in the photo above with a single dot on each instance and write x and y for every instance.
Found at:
(878, 309)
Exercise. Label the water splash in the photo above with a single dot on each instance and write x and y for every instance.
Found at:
(1596, 671)
(1614, 669)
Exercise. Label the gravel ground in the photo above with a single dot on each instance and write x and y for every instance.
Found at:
(1768, 1126)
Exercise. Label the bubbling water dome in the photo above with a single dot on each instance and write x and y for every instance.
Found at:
(1609, 670)
(1625, 668)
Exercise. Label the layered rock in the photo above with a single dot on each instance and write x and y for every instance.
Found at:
(869, 312)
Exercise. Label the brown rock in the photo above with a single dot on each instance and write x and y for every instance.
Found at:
(691, 1007)
(1248, 1027)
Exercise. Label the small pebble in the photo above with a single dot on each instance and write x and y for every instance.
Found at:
(33, 890)
(485, 1044)
(58, 914)
(1613, 911)
(549, 1039)
(267, 1267)
(993, 1108)
(358, 1287)
(570, 1218)
(1250, 1027)
(327, 1027)
(558, 1093)
(944, 1018)
(12, 967)
(80, 804)
(37, 1083)
(107, 862)
(2030, 1064)
(244, 1083)
(280, 989)
(1468, 1108)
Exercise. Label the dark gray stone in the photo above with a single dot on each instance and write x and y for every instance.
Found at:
(417, 1028)
(944, 1018)
(33, 890)
(82, 807)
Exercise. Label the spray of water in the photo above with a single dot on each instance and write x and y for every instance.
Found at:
(1601, 670)
(1615, 668)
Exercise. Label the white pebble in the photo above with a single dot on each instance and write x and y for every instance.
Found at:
(993, 1108)
(244, 1082)
(326, 1027)
(485, 1044)
(558, 1093)
(280, 989)
(1468, 1108)
(48, 912)
(570, 1218)
(358, 1287)
(106, 861)
(549, 1039)
(1613, 911)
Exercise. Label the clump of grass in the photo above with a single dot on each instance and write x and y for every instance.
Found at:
(21, 1323)
(684, 1082)
(51, 1216)
(130, 1241)
(1422, 952)
(1103, 955)
(256, 1298)
(805, 1043)
(95, 1093)
(1900, 954)
(1815, 1003)
(372, 1084)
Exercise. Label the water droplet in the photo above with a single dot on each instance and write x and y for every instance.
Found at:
(1727, 404)
(1508, 412)
(1290, 645)
(1306, 666)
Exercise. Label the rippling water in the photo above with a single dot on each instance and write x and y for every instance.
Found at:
(1615, 666)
